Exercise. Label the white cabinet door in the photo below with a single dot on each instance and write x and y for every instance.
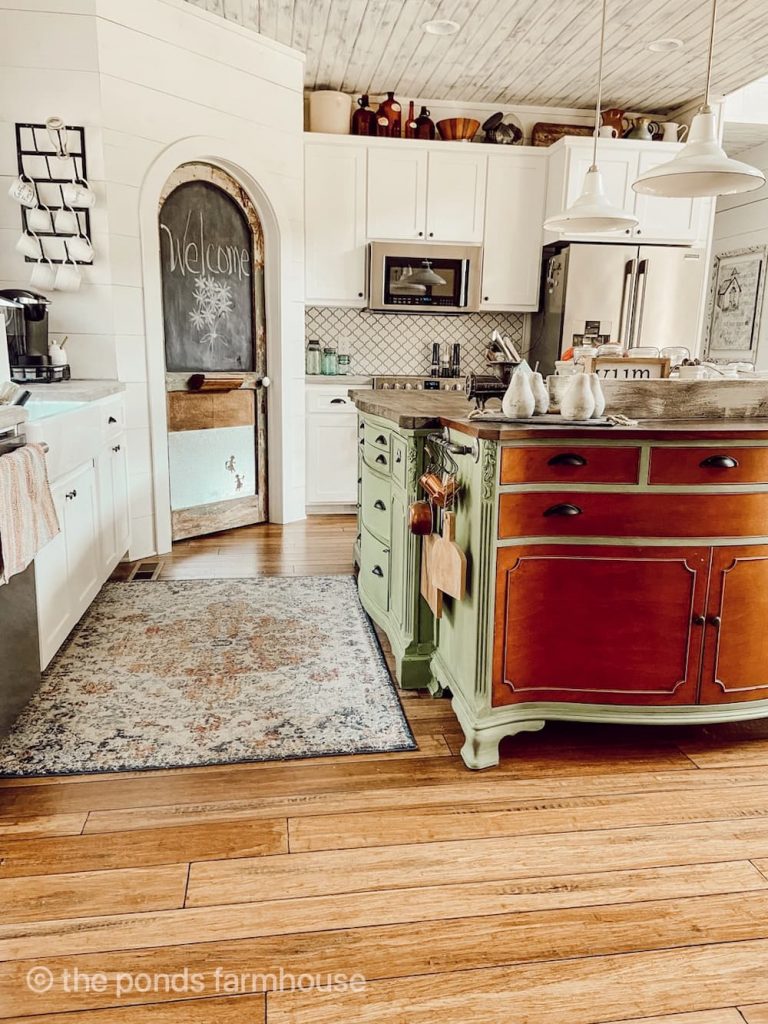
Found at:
(618, 169)
(668, 220)
(332, 459)
(456, 196)
(120, 493)
(515, 199)
(81, 531)
(334, 225)
(397, 192)
(54, 616)
(114, 514)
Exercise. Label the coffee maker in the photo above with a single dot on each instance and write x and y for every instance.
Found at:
(26, 328)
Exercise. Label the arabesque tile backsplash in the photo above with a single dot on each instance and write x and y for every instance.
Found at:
(399, 343)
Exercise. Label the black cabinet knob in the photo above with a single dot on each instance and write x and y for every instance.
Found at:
(116, 448)
(719, 462)
(111, 420)
(399, 457)
(431, 234)
(360, 295)
(698, 620)
(564, 509)
(567, 459)
(421, 234)
(715, 620)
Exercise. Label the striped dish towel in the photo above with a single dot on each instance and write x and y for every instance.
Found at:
(27, 515)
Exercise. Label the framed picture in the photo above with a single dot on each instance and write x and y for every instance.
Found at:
(735, 303)
(619, 368)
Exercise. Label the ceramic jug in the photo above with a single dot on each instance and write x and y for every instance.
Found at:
(540, 394)
(614, 118)
(644, 128)
(598, 395)
(518, 402)
(673, 132)
(578, 402)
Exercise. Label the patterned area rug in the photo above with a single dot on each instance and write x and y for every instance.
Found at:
(172, 674)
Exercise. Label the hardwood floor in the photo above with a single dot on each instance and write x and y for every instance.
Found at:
(598, 875)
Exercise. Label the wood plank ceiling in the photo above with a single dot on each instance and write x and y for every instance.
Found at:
(535, 52)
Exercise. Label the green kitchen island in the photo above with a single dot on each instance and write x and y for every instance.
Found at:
(613, 574)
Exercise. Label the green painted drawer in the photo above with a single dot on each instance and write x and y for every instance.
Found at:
(375, 502)
(376, 457)
(379, 437)
(374, 570)
(399, 459)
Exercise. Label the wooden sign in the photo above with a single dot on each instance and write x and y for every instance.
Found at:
(206, 256)
(617, 368)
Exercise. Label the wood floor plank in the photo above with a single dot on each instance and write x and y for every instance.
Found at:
(92, 893)
(403, 951)
(387, 867)
(735, 754)
(321, 913)
(728, 1016)
(142, 848)
(441, 794)
(14, 825)
(508, 818)
(578, 991)
(227, 1010)
(757, 1014)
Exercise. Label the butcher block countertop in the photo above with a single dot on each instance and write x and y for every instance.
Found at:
(422, 410)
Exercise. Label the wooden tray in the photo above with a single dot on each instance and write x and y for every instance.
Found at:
(545, 134)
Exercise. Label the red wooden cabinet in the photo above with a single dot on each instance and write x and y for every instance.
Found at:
(599, 624)
(735, 664)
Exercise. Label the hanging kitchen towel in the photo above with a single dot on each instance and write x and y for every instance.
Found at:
(27, 515)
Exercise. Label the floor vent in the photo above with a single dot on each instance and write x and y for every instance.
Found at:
(145, 571)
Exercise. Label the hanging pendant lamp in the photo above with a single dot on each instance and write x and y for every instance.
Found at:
(593, 211)
(702, 167)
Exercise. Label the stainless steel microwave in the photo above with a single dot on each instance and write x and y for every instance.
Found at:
(411, 277)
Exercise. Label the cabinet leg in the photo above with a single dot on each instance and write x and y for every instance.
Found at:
(481, 746)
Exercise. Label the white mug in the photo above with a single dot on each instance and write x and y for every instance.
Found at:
(23, 191)
(673, 132)
(29, 245)
(66, 222)
(80, 248)
(607, 132)
(78, 194)
(68, 277)
(43, 275)
(39, 219)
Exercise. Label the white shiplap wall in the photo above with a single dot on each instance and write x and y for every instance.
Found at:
(144, 77)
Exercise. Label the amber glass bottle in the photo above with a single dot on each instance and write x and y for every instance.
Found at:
(389, 117)
(363, 119)
(425, 126)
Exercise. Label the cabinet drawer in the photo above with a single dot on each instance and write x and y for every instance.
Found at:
(378, 437)
(329, 399)
(374, 569)
(561, 464)
(375, 456)
(587, 514)
(374, 503)
(709, 465)
(399, 459)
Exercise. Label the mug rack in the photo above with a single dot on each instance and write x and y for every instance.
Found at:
(35, 152)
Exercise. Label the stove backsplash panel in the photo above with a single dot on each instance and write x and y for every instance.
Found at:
(400, 343)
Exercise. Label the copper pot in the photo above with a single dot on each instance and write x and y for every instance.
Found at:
(420, 518)
(439, 490)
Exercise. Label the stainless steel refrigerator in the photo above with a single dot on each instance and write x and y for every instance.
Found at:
(638, 295)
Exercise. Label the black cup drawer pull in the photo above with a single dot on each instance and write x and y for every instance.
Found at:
(381, 459)
(381, 439)
(377, 570)
(564, 509)
(567, 459)
(719, 462)
(338, 401)
(379, 504)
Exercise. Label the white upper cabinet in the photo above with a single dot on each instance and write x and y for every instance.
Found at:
(397, 192)
(456, 196)
(334, 224)
(621, 161)
(515, 198)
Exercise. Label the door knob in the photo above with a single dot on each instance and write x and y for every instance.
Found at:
(263, 382)
(719, 462)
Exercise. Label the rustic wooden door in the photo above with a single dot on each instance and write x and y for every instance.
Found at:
(627, 627)
(736, 647)
(212, 263)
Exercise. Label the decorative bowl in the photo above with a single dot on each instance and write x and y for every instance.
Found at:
(458, 129)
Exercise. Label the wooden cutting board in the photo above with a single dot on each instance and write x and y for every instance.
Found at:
(447, 561)
(429, 591)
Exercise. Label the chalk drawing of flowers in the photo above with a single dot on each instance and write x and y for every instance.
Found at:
(213, 304)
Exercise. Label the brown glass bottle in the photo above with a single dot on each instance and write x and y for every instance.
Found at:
(410, 123)
(389, 117)
(425, 126)
(363, 119)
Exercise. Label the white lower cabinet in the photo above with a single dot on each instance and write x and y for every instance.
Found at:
(331, 448)
(114, 517)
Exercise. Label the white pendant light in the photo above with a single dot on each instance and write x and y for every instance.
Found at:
(593, 211)
(702, 167)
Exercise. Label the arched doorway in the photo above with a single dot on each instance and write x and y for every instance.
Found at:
(215, 342)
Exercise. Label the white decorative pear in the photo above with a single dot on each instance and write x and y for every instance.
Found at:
(578, 402)
(518, 402)
(540, 394)
(598, 394)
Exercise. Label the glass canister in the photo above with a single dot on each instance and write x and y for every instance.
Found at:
(313, 357)
(330, 363)
(343, 363)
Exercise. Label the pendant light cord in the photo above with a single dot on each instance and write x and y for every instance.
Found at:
(599, 103)
(711, 52)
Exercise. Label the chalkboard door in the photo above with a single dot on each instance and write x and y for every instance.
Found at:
(212, 266)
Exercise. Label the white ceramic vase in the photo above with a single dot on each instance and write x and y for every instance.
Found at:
(518, 402)
(598, 394)
(578, 402)
(540, 394)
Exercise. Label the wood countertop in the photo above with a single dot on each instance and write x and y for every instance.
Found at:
(420, 410)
